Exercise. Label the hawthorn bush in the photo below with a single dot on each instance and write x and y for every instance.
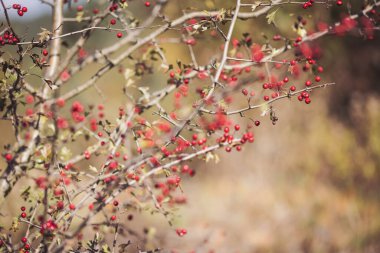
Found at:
(77, 199)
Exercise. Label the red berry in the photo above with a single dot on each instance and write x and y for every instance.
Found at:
(8, 157)
(113, 217)
(339, 2)
(317, 78)
(113, 21)
(307, 100)
(119, 35)
(72, 206)
(60, 205)
(266, 98)
(115, 203)
(20, 13)
(308, 83)
(245, 92)
(24, 9)
(45, 52)
(23, 215)
(147, 4)
(293, 88)
(257, 123)
(237, 127)
(24, 239)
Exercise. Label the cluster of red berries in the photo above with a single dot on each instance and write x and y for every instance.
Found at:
(297, 42)
(115, 6)
(181, 231)
(308, 4)
(173, 180)
(24, 240)
(8, 38)
(171, 184)
(48, 227)
(23, 213)
(245, 92)
(77, 112)
(227, 137)
(304, 96)
(20, 10)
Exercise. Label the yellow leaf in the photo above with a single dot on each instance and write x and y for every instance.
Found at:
(271, 17)
(64, 154)
(79, 16)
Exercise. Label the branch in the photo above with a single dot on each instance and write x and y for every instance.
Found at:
(251, 107)
(56, 45)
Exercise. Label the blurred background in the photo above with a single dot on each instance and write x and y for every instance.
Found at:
(308, 184)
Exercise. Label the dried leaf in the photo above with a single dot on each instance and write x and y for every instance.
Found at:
(93, 169)
(264, 109)
(44, 35)
(272, 16)
(255, 5)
